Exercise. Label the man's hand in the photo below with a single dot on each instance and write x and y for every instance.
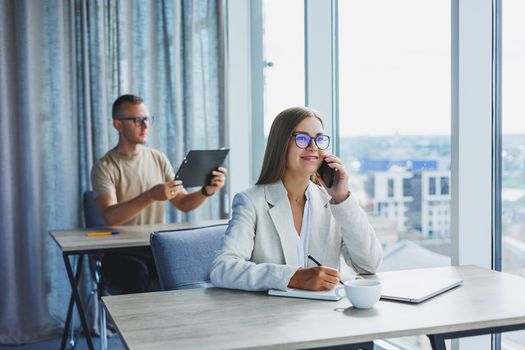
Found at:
(167, 191)
(217, 181)
(315, 278)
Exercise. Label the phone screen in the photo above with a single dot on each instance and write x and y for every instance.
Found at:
(326, 173)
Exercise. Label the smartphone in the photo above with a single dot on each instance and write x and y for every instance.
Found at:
(326, 173)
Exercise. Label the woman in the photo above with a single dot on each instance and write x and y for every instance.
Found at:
(291, 214)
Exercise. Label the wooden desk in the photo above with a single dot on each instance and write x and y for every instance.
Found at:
(487, 302)
(75, 242)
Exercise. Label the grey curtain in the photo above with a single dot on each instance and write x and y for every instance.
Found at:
(62, 63)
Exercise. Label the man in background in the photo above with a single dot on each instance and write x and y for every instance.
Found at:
(131, 183)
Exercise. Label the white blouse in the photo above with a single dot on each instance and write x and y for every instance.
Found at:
(302, 238)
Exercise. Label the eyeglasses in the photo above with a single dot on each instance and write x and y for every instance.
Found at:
(303, 140)
(139, 121)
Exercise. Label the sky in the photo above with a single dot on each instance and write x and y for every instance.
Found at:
(394, 65)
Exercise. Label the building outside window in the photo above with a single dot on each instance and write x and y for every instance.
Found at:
(407, 187)
(390, 187)
(431, 185)
(445, 184)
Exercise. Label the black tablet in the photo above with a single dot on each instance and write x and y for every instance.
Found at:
(195, 169)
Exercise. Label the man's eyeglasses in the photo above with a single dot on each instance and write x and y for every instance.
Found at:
(303, 140)
(139, 121)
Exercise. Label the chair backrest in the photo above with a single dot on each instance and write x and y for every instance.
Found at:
(92, 216)
(184, 257)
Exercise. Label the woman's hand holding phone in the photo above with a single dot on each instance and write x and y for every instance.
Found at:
(339, 189)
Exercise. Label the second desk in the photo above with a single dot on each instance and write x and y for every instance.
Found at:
(75, 242)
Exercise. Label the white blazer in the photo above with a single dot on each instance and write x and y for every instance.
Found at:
(260, 246)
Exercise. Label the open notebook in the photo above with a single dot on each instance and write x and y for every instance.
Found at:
(306, 294)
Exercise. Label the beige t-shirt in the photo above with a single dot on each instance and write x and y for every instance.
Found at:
(127, 177)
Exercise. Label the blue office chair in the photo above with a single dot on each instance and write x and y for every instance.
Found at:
(184, 257)
(93, 218)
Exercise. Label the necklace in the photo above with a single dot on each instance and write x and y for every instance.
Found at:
(299, 200)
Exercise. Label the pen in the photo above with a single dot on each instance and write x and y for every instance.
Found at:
(319, 264)
(103, 233)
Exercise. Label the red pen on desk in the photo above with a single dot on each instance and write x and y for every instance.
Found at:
(103, 233)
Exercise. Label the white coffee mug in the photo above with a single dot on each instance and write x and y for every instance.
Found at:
(361, 293)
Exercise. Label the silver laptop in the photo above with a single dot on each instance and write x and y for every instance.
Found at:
(415, 286)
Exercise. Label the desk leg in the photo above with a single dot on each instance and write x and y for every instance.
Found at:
(102, 325)
(437, 342)
(355, 346)
(70, 307)
(363, 346)
(102, 311)
(76, 297)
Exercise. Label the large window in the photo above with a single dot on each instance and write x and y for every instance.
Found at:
(393, 88)
(394, 125)
(513, 144)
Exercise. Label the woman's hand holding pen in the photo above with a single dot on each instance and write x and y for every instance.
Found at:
(339, 190)
(315, 278)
